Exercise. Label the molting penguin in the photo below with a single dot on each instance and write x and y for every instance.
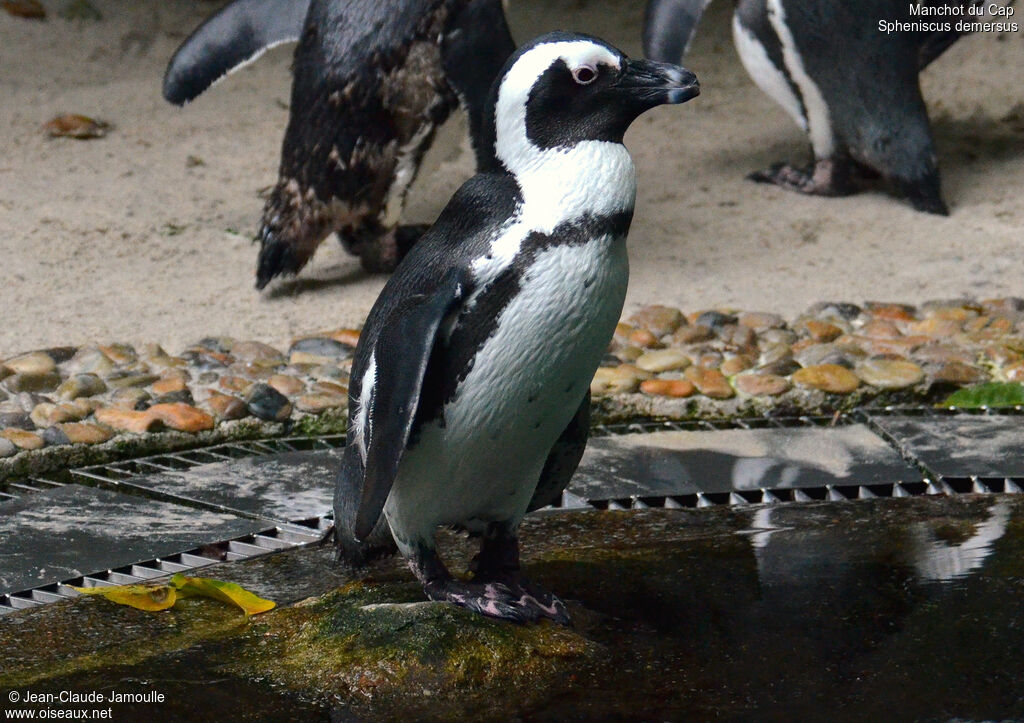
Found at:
(372, 82)
(851, 87)
(469, 396)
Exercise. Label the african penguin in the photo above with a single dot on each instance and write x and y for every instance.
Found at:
(852, 88)
(469, 394)
(372, 81)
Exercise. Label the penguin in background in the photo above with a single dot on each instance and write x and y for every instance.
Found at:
(853, 89)
(372, 82)
(469, 392)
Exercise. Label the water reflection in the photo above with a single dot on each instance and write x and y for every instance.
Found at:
(939, 560)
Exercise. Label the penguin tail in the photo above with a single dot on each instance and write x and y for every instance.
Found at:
(230, 39)
(351, 552)
(924, 193)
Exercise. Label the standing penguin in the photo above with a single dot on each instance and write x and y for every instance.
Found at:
(469, 393)
(850, 86)
(372, 82)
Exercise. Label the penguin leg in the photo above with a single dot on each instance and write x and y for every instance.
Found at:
(498, 562)
(494, 599)
(827, 177)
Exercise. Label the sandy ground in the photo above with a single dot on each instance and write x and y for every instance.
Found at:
(121, 239)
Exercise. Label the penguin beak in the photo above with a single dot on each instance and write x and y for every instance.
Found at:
(652, 83)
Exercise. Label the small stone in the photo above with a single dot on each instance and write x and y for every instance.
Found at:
(61, 354)
(738, 337)
(207, 377)
(234, 384)
(317, 403)
(678, 388)
(25, 9)
(267, 403)
(131, 398)
(7, 448)
(48, 414)
(880, 329)
(23, 439)
(181, 416)
(943, 353)
(734, 365)
(120, 353)
(203, 360)
(705, 356)
(1006, 305)
(830, 378)
(90, 360)
(219, 344)
(5, 372)
(692, 334)
(329, 372)
(54, 436)
(710, 382)
(257, 353)
(321, 347)
(645, 339)
(958, 314)
(714, 319)
(226, 407)
(128, 378)
(183, 396)
(822, 331)
(78, 433)
(892, 312)
(817, 354)
(776, 336)
(17, 420)
(1002, 354)
(935, 326)
(781, 367)
(659, 320)
(834, 310)
(760, 321)
(32, 382)
(775, 352)
(622, 379)
(349, 337)
(663, 360)
(762, 385)
(167, 386)
(330, 388)
(127, 420)
(81, 385)
(253, 370)
(958, 374)
(628, 354)
(889, 374)
(303, 357)
(34, 363)
(288, 386)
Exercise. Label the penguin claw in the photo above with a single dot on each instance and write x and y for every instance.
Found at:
(517, 603)
(827, 177)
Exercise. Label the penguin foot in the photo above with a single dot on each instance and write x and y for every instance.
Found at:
(826, 177)
(382, 254)
(518, 603)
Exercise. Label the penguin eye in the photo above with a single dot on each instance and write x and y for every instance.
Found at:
(585, 74)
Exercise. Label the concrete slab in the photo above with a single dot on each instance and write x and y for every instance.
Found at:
(285, 487)
(961, 446)
(58, 534)
(681, 463)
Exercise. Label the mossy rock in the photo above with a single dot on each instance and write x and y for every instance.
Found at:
(383, 643)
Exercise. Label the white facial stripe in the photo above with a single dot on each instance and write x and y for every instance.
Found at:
(360, 418)
(819, 120)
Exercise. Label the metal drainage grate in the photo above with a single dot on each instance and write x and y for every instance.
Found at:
(646, 426)
(281, 537)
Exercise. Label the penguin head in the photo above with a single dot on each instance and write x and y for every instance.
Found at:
(566, 88)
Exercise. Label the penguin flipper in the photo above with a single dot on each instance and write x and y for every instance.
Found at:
(231, 38)
(563, 459)
(669, 26)
(401, 353)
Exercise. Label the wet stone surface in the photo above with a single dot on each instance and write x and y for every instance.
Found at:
(769, 612)
(58, 534)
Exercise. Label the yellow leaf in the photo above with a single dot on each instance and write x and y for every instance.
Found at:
(143, 597)
(227, 592)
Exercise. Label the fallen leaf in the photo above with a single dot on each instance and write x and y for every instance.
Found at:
(72, 125)
(992, 394)
(142, 597)
(227, 592)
